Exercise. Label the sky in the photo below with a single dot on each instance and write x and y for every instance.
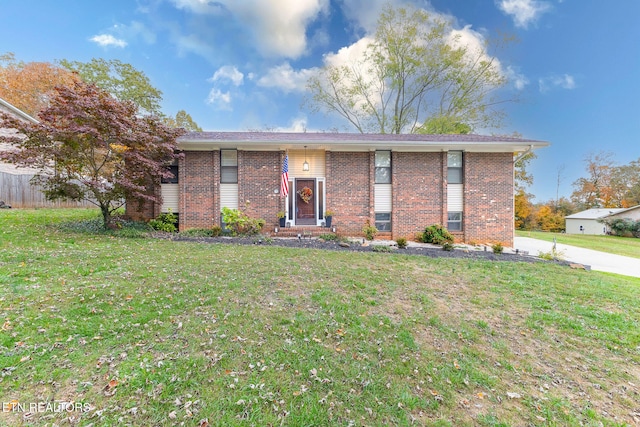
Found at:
(238, 65)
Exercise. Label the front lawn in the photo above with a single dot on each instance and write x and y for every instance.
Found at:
(145, 332)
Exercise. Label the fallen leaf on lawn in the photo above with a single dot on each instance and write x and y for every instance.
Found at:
(112, 384)
(434, 393)
(173, 415)
(12, 404)
(511, 395)
(204, 423)
(480, 395)
(456, 365)
(6, 326)
(128, 297)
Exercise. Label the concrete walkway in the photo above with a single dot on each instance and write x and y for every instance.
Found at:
(600, 261)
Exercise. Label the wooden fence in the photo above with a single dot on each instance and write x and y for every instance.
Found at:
(17, 192)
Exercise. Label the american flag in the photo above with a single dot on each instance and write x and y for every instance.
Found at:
(284, 184)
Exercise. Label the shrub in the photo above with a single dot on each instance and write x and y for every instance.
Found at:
(497, 248)
(369, 230)
(446, 246)
(165, 222)
(436, 234)
(198, 232)
(216, 230)
(624, 227)
(381, 248)
(328, 236)
(401, 242)
(240, 224)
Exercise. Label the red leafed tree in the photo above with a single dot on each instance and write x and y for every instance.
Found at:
(90, 146)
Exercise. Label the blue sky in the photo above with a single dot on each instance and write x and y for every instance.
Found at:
(242, 64)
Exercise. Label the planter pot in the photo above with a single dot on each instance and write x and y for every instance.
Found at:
(283, 222)
(327, 221)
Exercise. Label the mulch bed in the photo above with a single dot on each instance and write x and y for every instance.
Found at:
(432, 252)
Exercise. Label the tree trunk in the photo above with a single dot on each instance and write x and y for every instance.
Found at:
(106, 215)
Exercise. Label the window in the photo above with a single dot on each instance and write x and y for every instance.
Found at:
(383, 167)
(229, 166)
(454, 221)
(383, 221)
(173, 180)
(454, 167)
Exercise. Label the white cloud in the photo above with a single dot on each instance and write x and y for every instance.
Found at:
(192, 44)
(228, 72)
(279, 26)
(520, 81)
(220, 100)
(524, 12)
(108, 40)
(298, 125)
(565, 81)
(287, 79)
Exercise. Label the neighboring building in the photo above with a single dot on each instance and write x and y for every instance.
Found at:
(590, 221)
(15, 186)
(399, 183)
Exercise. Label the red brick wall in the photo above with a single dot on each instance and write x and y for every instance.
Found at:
(142, 210)
(258, 177)
(199, 186)
(349, 190)
(418, 192)
(488, 198)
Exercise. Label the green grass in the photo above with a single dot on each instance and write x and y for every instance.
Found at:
(154, 332)
(627, 246)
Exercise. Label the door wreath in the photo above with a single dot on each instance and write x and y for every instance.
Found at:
(305, 194)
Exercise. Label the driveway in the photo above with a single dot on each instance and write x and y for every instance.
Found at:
(600, 261)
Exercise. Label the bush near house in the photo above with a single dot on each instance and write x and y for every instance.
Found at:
(624, 227)
(239, 223)
(436, 234)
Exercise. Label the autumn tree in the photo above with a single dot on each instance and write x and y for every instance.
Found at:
(595, 190)
(415, 72)
(90, 146)
(182, 120)
(625, 183)
(121, 80)
(29, 86)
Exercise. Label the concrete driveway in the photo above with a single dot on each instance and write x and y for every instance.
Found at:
(600, 261)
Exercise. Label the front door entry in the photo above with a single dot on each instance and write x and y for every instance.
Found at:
(305, 202)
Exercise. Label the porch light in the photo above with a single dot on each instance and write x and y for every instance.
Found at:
(305, 165)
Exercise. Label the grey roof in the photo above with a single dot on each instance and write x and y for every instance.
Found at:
(594, 213)
(355, 141)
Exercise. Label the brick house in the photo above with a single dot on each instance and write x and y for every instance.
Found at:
(399, 183)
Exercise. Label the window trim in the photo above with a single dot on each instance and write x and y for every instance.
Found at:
(456, 221)
(460, 168)
(228, 168)
(175, 179)
(375, 174)
(378, 222)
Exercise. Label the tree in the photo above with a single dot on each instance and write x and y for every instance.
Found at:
(90, 146)
(182, 120)
(29, 86)
(522, 209)
(415, 71)
(121, 80)
(625, 183)
(595, 191)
